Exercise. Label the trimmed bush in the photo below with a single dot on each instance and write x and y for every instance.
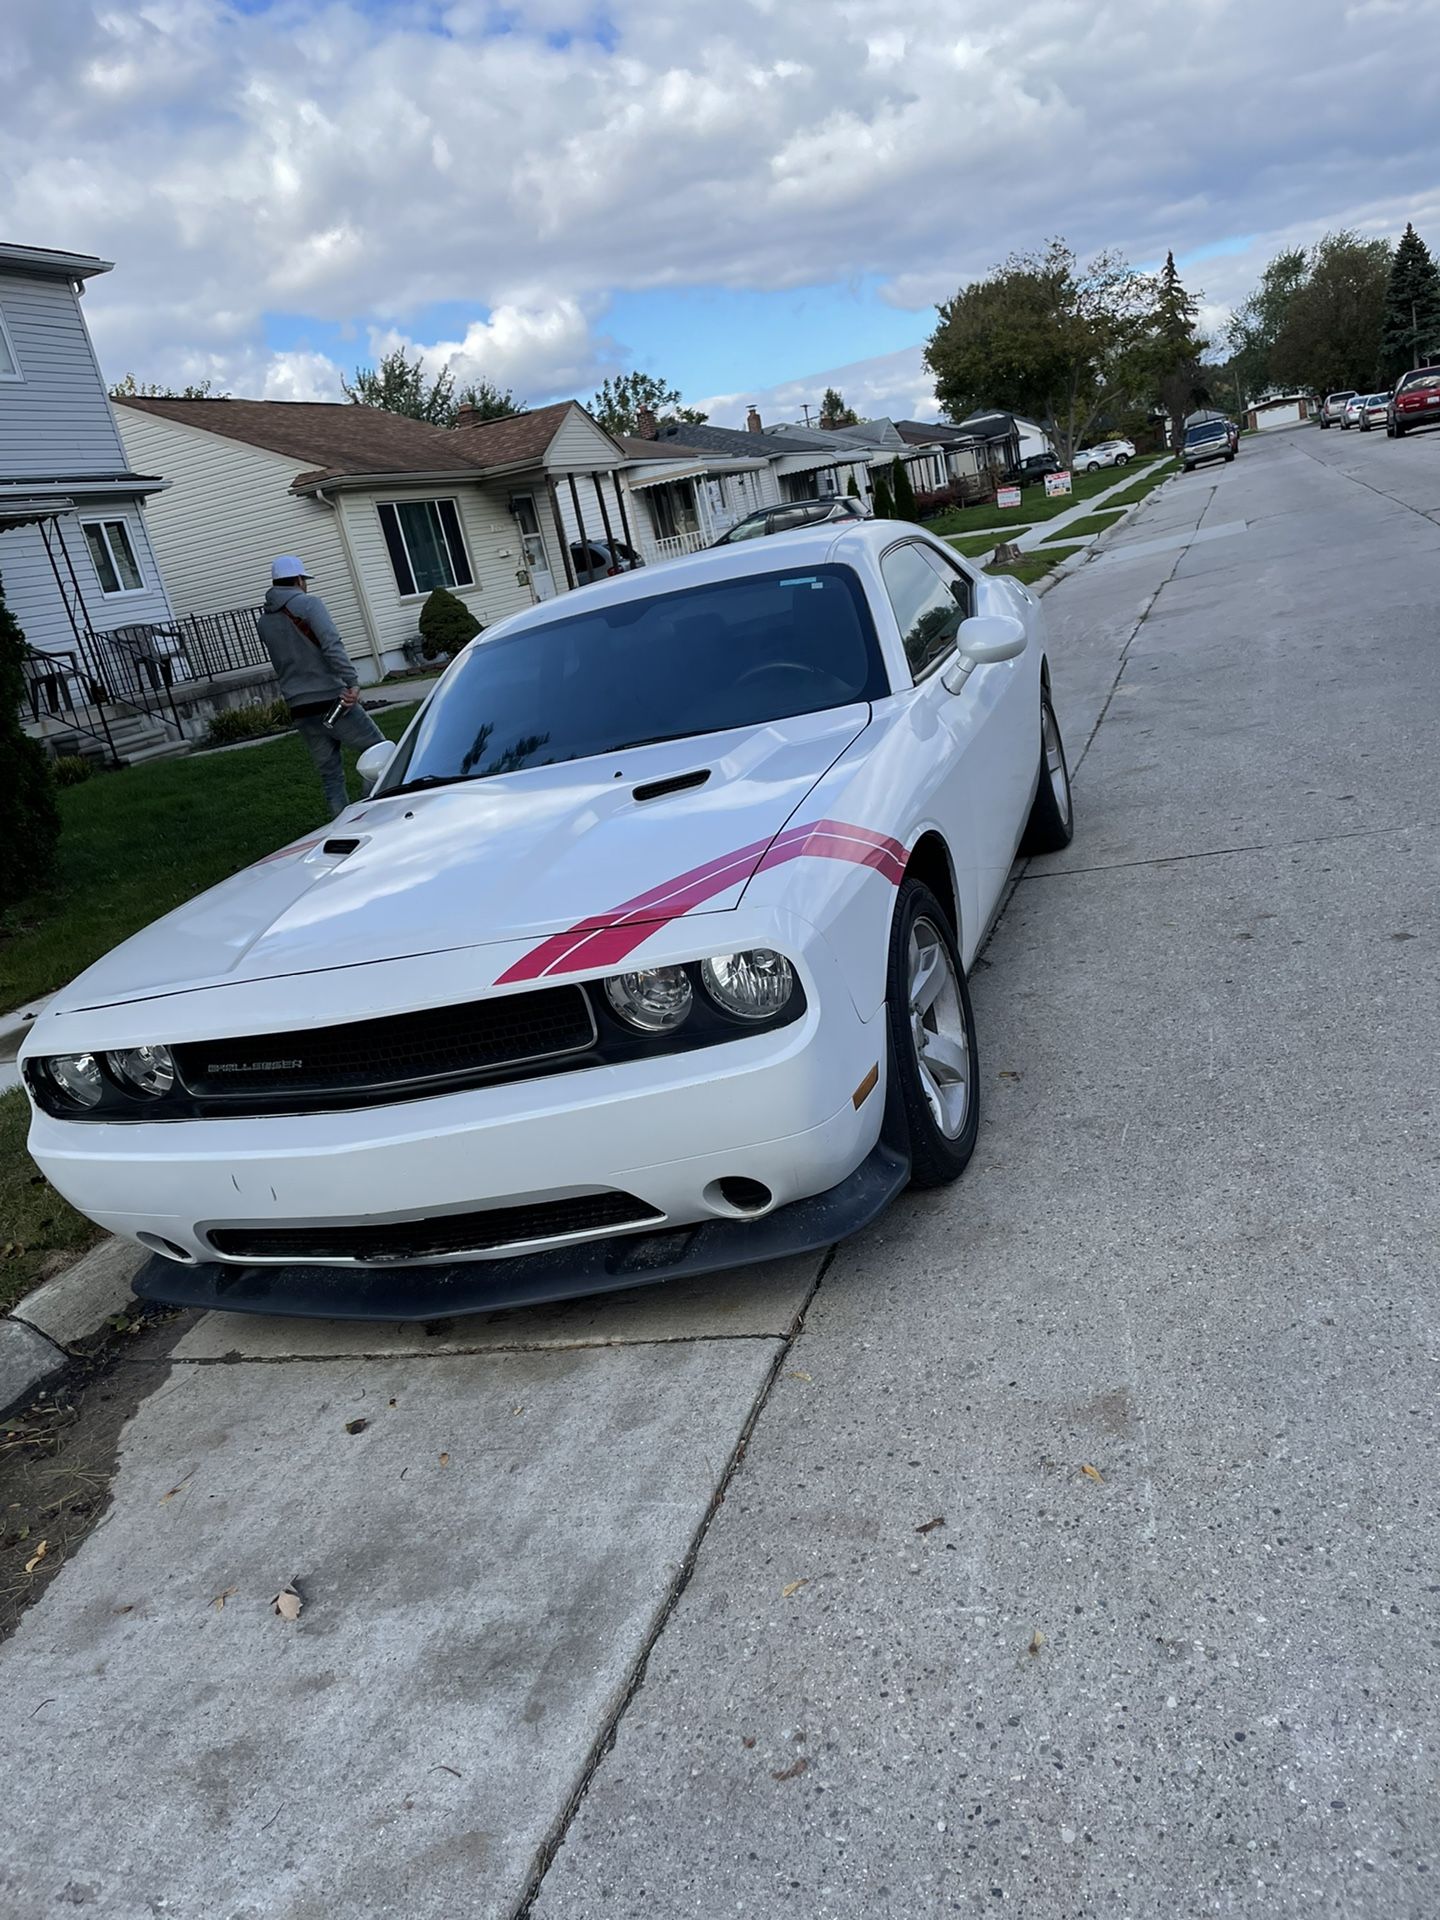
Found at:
(29, 818)
(247, 723)
(70, 769)
(852, 488)
(937, 500)
(901, 490)
(884, 505)
(446, 623)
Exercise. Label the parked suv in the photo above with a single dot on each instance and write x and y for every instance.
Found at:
(790, 514)
(1332, 414)
(1416, 402)
(1031, 470)
(1207, 440)
(601, 560)
(1106, 453)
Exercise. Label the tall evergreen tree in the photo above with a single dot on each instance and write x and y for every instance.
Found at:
(1176, 350)
(1410, 328)
(883, 505)
(29, 822)
(901, 491)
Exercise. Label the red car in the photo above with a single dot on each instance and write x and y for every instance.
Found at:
(1416, 402)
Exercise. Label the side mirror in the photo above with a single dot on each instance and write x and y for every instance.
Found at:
(373, 762)
(980, 642)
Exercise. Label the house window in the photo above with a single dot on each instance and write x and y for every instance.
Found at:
(9, 359)
(426, 549)
(113, 556)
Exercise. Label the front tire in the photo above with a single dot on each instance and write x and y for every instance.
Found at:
(1051, 825)
(1122, 459)
(934, 1059)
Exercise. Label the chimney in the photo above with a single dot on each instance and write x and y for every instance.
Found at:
(465, 415)
(647, 427)
(752, 422)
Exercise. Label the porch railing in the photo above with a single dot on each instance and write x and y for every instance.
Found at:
(675, 544)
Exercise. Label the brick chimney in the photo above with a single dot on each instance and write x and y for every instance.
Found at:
(752, 422)
(465, 415)
(647, 427)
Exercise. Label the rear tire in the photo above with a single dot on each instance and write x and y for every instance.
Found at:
(1398, 432)
(1122, 459)
(1051, 825)
(934, 1061)
(1228, 458)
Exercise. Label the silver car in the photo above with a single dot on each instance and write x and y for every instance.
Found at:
(1332, 413)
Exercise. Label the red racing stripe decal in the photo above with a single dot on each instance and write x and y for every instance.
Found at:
(606, 939)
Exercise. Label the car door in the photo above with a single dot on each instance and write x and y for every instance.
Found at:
(965, 741)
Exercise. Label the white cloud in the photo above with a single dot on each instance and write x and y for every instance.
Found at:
(888, 385)
(355, 164)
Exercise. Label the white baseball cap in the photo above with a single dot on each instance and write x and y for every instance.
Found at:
(288, 566)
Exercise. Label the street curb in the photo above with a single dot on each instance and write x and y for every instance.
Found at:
(40, 1332)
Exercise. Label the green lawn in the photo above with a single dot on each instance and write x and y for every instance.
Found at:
(1035, 506)
(970, 546)
(40, 1228)
(135, 844)
(1147, 483)
(1092, 523)
(1031, 567)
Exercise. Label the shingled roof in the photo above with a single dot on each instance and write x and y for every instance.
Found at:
(517, 437)
(333, 438)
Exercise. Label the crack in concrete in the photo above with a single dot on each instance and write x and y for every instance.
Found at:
(606, 1738)
(236, 1359)
(1221, 853)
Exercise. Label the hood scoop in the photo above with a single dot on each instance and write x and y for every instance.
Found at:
(674, 783)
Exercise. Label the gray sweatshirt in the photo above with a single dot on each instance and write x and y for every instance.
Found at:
(310, 676)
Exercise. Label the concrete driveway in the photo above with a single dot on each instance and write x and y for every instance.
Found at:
(1066, 1547)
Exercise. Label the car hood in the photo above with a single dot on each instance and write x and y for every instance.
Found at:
(520, 856)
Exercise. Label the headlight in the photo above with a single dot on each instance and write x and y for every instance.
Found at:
(655, 1000)
(147, 1070)
(78, 1077)
(751, 986)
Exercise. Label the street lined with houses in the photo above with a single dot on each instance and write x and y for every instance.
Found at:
(1064, 1544)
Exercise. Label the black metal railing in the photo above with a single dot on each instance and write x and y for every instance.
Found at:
(60, 691)
(216, 643)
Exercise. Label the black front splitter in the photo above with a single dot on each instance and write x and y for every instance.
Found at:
(563, 1273)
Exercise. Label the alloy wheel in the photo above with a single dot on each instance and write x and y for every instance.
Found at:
(1055, 761)
(937, 1029)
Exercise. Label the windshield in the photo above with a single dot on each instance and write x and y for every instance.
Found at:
(666, 666)
(1214, 430)
(1414, 382)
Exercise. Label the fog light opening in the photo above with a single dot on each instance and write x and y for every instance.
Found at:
(738, 1194)
(158, 1244)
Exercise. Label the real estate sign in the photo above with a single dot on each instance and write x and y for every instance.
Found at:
(1007, 497)
(1056, 484)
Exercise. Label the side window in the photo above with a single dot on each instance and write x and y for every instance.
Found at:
(926, 611)
(957, 580)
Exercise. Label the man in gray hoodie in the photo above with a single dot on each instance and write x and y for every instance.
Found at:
(316, 676)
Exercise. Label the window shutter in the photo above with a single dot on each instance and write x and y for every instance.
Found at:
(399, 559)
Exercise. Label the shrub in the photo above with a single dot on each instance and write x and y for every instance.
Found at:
(446, 623)
(901, 490)
(935, 500)
(884, 505)
(852, 488)
(247, 723)
(29, 818)
(70, 769)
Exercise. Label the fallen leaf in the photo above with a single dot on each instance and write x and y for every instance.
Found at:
(1093, 1473)
(444, 1459)
(795, 1373)
(38, 1555)
(1037, 1640)
(792, 1772)
(794, 1587)
(929, 1526)
(175, 1489)
(287, 1603)
(356, 1426)
(1006, 1074)
(747, 1739)
(219, 1601)
(129, 1607)
(391, 1401)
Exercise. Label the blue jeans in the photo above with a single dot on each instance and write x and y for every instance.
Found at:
(356, 729)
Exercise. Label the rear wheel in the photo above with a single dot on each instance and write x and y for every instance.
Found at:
(934, 1061)
(1051, 825)
(1122, 459)
(1397, 432)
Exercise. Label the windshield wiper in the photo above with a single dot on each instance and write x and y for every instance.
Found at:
(428, 780)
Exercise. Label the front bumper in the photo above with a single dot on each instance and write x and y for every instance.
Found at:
(429, 1292)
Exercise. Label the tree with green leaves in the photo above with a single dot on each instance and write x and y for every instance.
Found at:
(1175, 349)
(29, 821)
(1256, 323)
(1329, 338)
(1410, 323)
(1048, 337)
(400, 384)
(852, 486)
(901, 491)
(625, 396)
(834, 412)
(883, 505)
(132, 389)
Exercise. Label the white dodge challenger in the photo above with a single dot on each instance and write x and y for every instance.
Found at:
(645, 954)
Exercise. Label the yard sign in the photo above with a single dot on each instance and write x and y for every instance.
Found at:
(1008, 497)
(1056, 484)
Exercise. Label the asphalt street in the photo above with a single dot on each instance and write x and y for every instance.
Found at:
(1066, 1546)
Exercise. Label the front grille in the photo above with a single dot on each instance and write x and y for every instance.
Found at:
(400, 1052)
(387, 1241)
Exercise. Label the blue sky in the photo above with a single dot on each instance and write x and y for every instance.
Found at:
(740, 199)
